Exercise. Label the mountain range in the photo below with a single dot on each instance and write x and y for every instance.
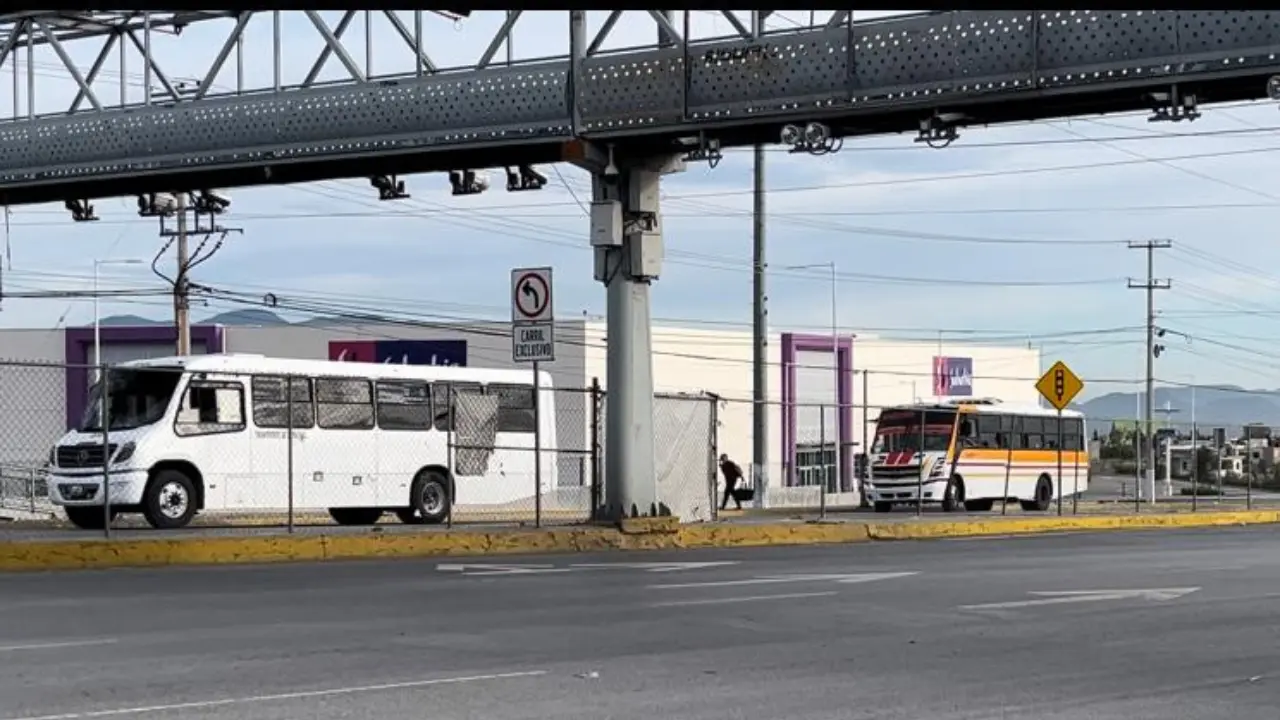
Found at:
(1227, 406)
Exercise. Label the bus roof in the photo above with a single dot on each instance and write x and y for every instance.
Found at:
(988, 406)
(252, 364)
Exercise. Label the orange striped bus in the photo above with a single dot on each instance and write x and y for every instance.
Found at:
(973, 453)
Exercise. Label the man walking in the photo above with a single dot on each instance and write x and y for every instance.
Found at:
(732, 474)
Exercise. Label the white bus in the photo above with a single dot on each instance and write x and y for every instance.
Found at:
(210, 432)
(964, 454)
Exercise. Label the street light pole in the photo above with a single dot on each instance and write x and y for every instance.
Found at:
(97, 325)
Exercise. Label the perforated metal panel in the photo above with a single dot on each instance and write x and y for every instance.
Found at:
(1246, 38)
(934, 61)
(618, 91)
(779, 74)
(1088, 46)
(502, 104)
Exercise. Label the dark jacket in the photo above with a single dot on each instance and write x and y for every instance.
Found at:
(732, 473)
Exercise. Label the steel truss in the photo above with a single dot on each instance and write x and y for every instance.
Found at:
(926, 73)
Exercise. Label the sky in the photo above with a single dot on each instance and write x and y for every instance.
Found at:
(1013, 235)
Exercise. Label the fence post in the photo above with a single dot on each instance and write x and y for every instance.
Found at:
(920, 467)
(595, 448)
(288, 442)
(451, 399)
(31, 490)
(822, 456)
(714, 458)
(104, 415)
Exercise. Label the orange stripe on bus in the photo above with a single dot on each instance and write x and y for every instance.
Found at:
(1022, 456)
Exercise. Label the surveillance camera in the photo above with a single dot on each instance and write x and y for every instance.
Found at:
(217, 197)
(468, 182)
(163, 202)
(790, 135)
(816, 134)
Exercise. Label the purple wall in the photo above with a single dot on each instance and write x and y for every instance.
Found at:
(79, 353)
(791, 345)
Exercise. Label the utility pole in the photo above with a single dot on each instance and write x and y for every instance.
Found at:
(1150, 286)
(759, 317)
(181, 286)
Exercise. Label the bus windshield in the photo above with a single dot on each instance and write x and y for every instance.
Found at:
(136, 398)
(900, 430)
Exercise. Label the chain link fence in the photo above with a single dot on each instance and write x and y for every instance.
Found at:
(1196, 467)
(685, 450)
(33, 415)
(277, 450)
(539, 449)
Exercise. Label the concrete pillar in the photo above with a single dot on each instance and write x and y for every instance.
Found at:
(626, 235)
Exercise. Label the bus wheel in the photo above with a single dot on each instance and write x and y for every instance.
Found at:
(87, 518)
(953, 496)
(430, 497)
(169, 501)
(883, 507)
(1044, 496)
(355, 516)
(979, 505)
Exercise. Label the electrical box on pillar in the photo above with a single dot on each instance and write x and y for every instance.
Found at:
(606, 223)
(644, 226)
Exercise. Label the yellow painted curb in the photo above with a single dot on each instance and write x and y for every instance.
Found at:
(304, 547)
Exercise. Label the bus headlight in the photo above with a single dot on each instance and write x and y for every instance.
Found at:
(124, 453)
(53, 456)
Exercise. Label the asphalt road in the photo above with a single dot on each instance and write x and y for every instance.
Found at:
(885, 630)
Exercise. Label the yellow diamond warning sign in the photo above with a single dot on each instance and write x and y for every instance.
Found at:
(1059, 386)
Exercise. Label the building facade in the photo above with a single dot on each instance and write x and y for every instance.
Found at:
(819, 411)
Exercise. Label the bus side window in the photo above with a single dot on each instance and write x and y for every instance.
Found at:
(1032, 432)
(210, 408)
(1073, 434)
(515, 408)
(443, 402)
(988, 431)
(344, 404)
(271, 405)
(404, 405)
(1007, 437)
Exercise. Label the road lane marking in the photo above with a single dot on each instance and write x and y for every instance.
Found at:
(846, 578)
(56, 645)
(656, 567)
(482, 569)
(747, 598)
(1085, 596)
(302, 695)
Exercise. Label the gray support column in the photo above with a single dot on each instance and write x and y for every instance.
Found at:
(626, 234)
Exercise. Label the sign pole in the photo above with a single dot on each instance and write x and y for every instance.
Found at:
(533, 341)
(1058, 483)
(537, 446)
(1059, 386)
